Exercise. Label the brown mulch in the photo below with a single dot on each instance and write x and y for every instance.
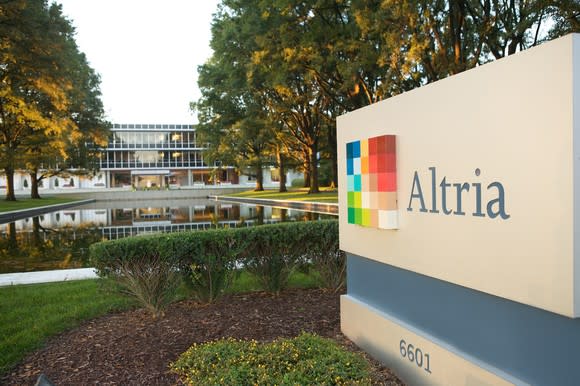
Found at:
(131, 348)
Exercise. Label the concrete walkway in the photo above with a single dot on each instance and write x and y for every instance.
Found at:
(7, 279)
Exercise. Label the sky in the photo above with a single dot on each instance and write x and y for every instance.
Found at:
(146, 52)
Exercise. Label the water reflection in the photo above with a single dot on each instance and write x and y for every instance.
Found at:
(61, 239)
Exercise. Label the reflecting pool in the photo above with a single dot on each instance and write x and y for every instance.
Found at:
(61, 239)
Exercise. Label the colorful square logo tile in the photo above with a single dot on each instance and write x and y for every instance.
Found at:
(371, 167)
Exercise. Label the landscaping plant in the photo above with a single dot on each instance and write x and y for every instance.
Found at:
(305, 360)
(273, 253)
(208, 260)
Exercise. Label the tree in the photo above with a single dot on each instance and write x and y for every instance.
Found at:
(40, 64)
(231, 114)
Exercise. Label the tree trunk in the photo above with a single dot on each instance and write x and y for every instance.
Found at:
(282, 171)
(313, 156)
(259, 178)
(333, 156)
(306, 170)
(12, 239)
(34, 186)
(37, 240)
(10, 196)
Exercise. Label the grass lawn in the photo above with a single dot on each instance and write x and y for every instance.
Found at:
(326, 195)
(27, 203)
(31, 314)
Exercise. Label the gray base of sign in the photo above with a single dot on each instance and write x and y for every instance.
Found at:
(434, 332)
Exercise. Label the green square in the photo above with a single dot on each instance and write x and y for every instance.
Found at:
(351, 216)
(351, 199)
(358, 216)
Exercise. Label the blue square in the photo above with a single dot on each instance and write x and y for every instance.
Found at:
(349, 150)
(355, 149)
(350, 183)
(357, 183)
(349, 167)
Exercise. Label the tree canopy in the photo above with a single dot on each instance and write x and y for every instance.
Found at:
(50, 105)
(283, 70)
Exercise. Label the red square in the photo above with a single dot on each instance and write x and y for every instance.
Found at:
(373, 145)
(381, 144)
(390, 144)
(387, 182)
(373, 161)
(391, 162)
(382, 163)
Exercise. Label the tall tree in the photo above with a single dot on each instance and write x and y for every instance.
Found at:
(232, 116)
(39, 64)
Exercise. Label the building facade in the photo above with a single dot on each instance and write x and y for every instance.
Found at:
(147, 156)
(152, 156)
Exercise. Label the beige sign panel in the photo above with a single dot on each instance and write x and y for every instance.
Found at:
(487, 167)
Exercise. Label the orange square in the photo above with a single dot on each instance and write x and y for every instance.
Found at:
(364, 165)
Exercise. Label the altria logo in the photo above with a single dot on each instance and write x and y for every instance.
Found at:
(448, 197)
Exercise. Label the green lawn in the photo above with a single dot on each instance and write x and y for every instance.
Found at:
(27, 203)
(30, 314)
(326, 195)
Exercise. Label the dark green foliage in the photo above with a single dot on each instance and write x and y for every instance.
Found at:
(305, 360)
(208, 260)
(274, 252)
(325, 256)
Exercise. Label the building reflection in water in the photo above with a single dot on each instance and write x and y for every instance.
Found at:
(61, 239)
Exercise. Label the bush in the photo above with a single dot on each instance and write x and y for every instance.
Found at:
(208, 259)
(274, 252)
(324, 254)
(298, 182)
(137, 269)
(305, 360)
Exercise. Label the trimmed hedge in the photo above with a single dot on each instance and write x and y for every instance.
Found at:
(208, 259)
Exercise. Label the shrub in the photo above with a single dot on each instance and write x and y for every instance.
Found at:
(150, 280)
(137, 269)
(273, 252)
(207, 260)
(298, 182)
(305, 360)
(325, 255)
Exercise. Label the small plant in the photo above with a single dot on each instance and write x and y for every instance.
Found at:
(305, 360)
(135, 267)
(150, 280)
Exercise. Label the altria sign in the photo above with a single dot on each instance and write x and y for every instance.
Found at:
(460, 219)
(448, 196)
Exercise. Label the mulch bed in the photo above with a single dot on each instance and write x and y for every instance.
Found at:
(131, 348)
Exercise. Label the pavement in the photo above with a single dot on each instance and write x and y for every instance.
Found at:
(7, 279)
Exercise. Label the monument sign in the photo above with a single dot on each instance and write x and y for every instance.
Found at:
(460, 215)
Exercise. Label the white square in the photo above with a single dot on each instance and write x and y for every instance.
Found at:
(365, 199)
(388, 219)
(356, 166)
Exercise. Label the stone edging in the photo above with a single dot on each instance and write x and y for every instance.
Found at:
(14, 215)
(317, 207)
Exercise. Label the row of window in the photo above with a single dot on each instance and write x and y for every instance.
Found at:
(151, 126)
(151, 159)
(152, 165)
(143, 139)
